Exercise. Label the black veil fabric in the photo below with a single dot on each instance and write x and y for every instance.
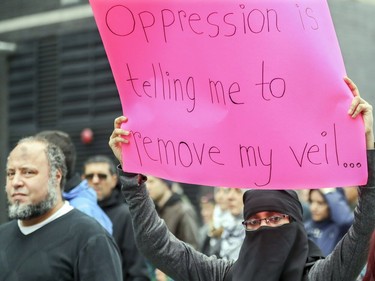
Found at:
(274, 253)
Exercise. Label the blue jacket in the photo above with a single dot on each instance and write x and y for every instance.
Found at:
(326, 234)
(83, 198)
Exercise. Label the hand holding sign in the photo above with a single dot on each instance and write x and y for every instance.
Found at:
(243, 94)
(116, 139)
(360, 106)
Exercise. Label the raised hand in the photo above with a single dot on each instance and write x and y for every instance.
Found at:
(117, 138)
(360, 106)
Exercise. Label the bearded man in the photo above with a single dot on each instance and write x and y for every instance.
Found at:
(47, 239)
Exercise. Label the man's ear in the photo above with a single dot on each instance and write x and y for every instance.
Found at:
(58, 176)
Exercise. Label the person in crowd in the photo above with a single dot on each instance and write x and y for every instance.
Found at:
(276, 246)
(233, 233)
(101, 174)
(179, 215)
(331, 218)
(207, 207)
(222, 216)
(77, 191)
(209, 244)
(303, 195)
(370, 270)
(351, 194)
(46, 239)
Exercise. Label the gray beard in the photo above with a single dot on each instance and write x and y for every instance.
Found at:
(26, 212)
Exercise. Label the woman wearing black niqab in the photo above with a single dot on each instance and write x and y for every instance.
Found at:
(274, 253)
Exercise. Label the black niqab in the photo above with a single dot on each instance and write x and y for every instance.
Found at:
(274, 253)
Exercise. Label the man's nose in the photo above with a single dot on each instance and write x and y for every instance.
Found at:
(95, 178)
(17, 181)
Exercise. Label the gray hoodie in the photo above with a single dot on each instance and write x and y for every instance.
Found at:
(181, 262)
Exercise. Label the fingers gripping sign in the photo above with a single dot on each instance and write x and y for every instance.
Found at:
(361, 107)
(117, 137)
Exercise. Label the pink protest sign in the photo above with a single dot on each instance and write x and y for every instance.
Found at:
(233, 93)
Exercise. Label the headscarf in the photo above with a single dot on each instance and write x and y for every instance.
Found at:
(274, 253)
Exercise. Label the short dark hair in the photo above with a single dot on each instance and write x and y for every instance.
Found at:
(101, 159)
(65, 143)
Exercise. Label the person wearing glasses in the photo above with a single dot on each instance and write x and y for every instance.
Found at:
(272, 219)
(276, 246)
(77, 191)
(101, 174)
